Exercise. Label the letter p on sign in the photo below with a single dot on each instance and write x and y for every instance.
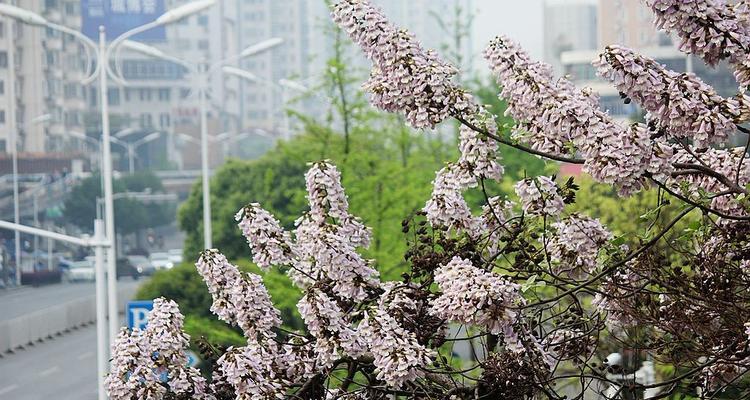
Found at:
(137, 312)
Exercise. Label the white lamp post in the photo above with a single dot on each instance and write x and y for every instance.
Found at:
(203, 72)
(103, 72)
(132, 147)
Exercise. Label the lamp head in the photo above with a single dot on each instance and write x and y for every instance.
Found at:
(22, 15)
(183, 11)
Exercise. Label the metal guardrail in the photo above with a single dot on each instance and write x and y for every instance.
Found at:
(44, 324)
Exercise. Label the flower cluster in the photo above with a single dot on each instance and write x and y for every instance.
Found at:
(397, 356)
(576, 243)
(270, 243)
(405, 78)
(479, 160)
(476, 297)
(681, 104)
(555, 117)
(728, 162)
(237, 299)
(540, 196)
(711, 29)
(334, 336)
(151, 364)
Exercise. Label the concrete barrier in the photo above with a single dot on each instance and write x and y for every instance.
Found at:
(39, 325)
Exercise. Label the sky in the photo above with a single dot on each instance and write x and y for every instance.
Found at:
(521, 20)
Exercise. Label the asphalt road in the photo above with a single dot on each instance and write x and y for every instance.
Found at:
(17, 302)
(62, 368)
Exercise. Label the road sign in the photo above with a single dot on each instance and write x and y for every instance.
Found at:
(192, 358)
(137, 312)
(119, 16)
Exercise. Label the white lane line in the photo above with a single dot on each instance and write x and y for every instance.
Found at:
(8, 389)
(50, 371)
(85, 355)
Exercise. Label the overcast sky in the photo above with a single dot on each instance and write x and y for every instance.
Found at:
(521, 20)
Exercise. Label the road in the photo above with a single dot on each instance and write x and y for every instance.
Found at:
(62, 368)
(17, 302)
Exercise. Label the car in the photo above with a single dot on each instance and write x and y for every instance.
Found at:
(161, 261)
(80, 271)
(141, 264)
(175, 255)
(126, 268)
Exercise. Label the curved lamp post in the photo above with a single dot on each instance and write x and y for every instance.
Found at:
(103, 72)
(132, 147)
(204, 71)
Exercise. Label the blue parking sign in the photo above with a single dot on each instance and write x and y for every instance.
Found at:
(136, 313)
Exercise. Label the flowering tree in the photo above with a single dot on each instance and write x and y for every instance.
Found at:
(531, 289)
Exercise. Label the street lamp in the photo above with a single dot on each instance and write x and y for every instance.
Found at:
(132, 147)
(103, 72)
(203, 71)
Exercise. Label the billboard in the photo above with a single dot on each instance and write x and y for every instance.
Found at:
(119, 16)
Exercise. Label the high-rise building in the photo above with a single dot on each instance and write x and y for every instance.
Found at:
(50, 99)
(569, 25)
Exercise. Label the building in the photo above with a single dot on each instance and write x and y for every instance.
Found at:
(630, 24)
(48, 67)
(569, 26)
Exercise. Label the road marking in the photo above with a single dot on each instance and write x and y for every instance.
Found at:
(85, 355)
(50, 371)
(8, 389)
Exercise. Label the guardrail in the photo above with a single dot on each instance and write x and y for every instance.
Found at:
(19, 332)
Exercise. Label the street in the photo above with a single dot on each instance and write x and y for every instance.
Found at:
(15, 303)
(60, 368)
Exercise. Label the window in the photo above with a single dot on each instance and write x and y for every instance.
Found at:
(164, 95)
(203, 20)
(203, 44)
(2, 87)
(2, 116)
(3, 59)
(145, 94)
(146, 121)
(113, 95)
(164, 120)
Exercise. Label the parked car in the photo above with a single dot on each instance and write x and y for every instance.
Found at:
(141, 264)
(175, 255)
(161, 261)
(126, 268)
(80, 271)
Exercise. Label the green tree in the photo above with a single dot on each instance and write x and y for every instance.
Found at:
(130, 215)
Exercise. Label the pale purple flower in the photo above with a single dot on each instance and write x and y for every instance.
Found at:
(540, 196)
(680, 104)
(475, 297)
(238, 299)
(711, 29)
(250, 370)
(576, 244)
(405, 78)
(334, 335)
(269, 242)
(554, 117)
(398, 357)
(139, 359)
(723, 161)
(447, 206)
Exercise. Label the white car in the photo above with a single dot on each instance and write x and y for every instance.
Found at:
(80, 271)
(161, 261)
(175, 256)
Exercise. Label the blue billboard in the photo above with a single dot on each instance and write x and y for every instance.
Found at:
(120, 16)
